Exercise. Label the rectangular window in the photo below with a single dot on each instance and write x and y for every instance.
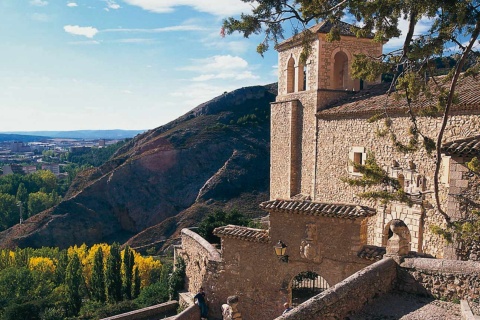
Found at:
(357, 159)
(356, 155)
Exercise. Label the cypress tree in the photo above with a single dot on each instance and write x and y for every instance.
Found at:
(98, 277)
(113, 275)
(73, 280)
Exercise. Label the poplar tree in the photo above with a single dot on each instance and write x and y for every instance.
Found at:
(136, 282)
(113, 276)
(98, 277)
(73, 280)
(128, 262)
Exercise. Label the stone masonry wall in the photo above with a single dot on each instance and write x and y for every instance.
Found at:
(348, 45)
(444, 279)
(337, 137)
(316, 95)
(348, 296)
(203, 264)
(252, 271)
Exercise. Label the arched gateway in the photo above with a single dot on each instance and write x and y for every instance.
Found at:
(306, 285)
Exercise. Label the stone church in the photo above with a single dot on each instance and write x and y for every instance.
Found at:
(319, 128)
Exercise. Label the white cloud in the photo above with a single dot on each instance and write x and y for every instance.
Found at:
(227, 75)
(111, 4)
(72, 4)
(38, 3)
(88, 32)
(226, 62)
(158, 30)
(219, 8)
(225, 67)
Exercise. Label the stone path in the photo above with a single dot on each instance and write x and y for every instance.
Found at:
(403, 306)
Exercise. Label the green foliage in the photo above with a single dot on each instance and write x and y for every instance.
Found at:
(40, 201)
(372, 175)
(128, 262)
(367, 68)
(30, 291)
(113, 277)
(73, 281)
(136, 282)
(94, 157)
(98, 277)
(176, 281)
(9, 212)
(220, 218)
(474, 165)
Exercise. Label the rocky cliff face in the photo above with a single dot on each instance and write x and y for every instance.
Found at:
(215, 156)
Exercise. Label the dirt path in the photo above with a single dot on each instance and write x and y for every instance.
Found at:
(402, 306)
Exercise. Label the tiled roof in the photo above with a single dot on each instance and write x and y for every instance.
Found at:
(242, 233)
(374, 100)
(319, 209)
(373, 253)
(325, 27)
(469, 147)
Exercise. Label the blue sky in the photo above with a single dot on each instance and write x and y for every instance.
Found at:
(121, 64)
(131, 64)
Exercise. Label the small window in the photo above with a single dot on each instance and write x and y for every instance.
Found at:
(357, 159)
(356, 155)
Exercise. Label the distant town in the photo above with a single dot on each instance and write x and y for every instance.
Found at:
(48, 154)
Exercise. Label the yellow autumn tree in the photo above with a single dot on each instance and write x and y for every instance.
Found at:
(42, 264)
(146, 266)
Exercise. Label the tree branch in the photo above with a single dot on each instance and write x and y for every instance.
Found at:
(458, 70)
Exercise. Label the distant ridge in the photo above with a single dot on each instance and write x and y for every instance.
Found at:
(80, 134)
(21, 137)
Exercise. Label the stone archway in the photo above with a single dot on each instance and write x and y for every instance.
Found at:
(305, 285)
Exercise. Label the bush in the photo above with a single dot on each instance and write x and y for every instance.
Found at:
(154, 294)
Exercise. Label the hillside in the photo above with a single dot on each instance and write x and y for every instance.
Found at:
(215, 156)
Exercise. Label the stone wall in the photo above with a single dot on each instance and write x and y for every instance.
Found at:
(203, 264)
(153, 312)
(444, 279)
(337, 136)
(349, 46)
(294, 134)
(348, 296)
(252, 271)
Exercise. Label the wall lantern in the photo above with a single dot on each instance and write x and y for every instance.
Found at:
(280, 250)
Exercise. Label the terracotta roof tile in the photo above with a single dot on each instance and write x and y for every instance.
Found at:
(469, 147)
(373, 253)
(319, 209)
(242, 233)
(374, 100)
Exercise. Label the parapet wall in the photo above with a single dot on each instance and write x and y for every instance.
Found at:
(199, 255)
(348, 296)
(452, 280)
(203, 263)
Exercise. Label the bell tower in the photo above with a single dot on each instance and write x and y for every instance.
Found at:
(304, 88)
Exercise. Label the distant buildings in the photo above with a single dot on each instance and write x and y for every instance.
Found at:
(53, 167)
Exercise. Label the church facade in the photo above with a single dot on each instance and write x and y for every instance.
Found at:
(319, 128)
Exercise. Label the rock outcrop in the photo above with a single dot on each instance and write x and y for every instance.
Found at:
(215, 156)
